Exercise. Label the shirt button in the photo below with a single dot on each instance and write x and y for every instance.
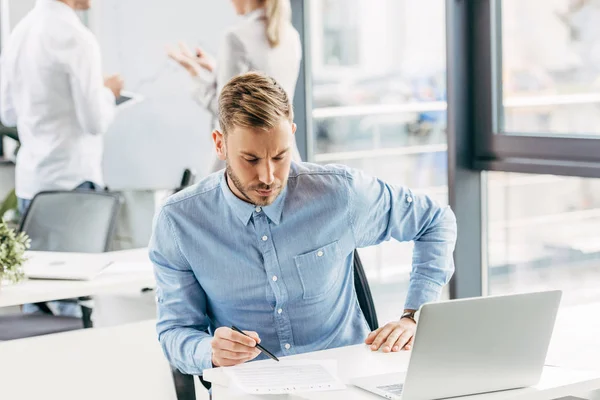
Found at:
(279, 311)
(409, 199)
(287, 346)
(274, 278)
(264, 238)
(320, 254)
(258, 209)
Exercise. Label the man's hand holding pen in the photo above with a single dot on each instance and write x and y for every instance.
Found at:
(232, 348)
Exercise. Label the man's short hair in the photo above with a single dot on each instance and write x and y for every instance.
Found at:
(253, 100)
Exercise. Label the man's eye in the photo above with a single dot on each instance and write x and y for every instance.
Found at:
(277, 158)
(252, 160)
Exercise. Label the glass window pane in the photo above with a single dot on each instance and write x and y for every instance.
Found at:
(550, 67)
(544, 233)
(379, 97)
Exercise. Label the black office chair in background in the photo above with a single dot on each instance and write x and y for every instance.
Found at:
(185, 387)
(67, 221)
(187, 178)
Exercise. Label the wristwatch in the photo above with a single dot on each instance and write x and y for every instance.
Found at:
(409, 314)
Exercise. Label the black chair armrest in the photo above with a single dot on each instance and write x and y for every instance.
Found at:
(185, 388)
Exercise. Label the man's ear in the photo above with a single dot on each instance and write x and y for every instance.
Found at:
(219, 140)
(294, 126)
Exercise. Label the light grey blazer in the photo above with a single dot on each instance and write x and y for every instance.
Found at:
(245, 48)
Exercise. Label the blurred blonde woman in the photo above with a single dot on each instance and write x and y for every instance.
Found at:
(264, 41)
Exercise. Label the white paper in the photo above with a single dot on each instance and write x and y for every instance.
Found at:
(286, 376)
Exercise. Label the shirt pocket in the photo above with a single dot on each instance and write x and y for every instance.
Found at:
(319, 270)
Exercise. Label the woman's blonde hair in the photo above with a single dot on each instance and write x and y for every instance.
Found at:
(277, 13)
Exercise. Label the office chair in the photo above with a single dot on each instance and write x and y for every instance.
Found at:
(187, 178)
(184, 384)
(67, 221)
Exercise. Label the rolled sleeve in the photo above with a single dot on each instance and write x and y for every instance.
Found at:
(203, 354)
(379, 211)
(182, 322)
(433, 262)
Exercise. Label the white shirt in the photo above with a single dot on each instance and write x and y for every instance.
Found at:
(52, 89)
(245, 48)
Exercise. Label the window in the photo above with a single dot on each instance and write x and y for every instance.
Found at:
(379, 104)
(551, 74)
(340, 32)
(544, 233)
(536, 92)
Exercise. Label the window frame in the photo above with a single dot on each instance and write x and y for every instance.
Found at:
(519, 151)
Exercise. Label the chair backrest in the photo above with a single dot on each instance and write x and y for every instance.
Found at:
(71, 221)
(187, 178)
(363, 292)
(184, 384)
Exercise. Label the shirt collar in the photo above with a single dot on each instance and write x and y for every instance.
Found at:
(255, 14)
(244, 210)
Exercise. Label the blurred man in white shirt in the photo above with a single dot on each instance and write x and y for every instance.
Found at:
(52, 89)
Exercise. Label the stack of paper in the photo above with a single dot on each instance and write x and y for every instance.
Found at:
(286, 376)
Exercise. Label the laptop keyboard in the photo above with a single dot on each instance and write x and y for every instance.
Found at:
(395, 389)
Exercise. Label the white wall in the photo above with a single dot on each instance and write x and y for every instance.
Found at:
(18, 9)
(150, 145)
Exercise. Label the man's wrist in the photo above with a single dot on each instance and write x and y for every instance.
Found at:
(410, 314)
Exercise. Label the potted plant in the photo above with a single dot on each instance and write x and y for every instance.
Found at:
(12, 253)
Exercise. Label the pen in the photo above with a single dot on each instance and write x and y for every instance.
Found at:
(258, 346)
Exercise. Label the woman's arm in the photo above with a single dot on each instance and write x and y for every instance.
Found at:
(231, 62)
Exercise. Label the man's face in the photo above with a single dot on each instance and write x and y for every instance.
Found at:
(83, 4)
(258, 161)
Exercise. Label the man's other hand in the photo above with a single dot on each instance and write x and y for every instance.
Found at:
(394, 336)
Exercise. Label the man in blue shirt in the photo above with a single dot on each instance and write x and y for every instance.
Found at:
(267, 245)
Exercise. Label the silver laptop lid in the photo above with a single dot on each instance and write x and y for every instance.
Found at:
(480, 345)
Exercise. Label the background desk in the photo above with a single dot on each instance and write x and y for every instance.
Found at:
(119, 363)
(109, 281)
(357, 361)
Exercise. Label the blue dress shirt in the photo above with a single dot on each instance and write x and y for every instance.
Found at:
(285, 270)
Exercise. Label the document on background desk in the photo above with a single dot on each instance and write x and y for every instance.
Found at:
(286, 376)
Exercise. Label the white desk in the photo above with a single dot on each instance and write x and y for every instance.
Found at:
(356, 361)
(117, 363)
(109, 281)
(126, 362)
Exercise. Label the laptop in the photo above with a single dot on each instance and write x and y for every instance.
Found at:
(64, 266)
(471, 346)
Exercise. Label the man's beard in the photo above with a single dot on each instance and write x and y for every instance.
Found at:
(244, 191)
